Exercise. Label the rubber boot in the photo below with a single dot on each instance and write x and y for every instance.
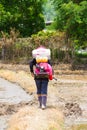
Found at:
(44, 100)
(40, 101)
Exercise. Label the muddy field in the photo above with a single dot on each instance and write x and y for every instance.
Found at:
(67, 100)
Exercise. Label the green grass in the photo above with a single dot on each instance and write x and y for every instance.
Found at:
(79, 127)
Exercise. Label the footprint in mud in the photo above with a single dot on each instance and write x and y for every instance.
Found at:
(8, 109)
(72, 109)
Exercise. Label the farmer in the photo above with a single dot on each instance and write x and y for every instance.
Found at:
(41, 81)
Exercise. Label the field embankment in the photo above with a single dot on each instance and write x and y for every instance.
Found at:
(67, 99)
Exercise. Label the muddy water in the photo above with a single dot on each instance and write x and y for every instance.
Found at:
(10, 95)
(74, 99)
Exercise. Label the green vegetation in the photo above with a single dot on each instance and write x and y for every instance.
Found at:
(25, 16)
(17, 48)
(72, 18)
(48, 10)
(79, 127)
(65, 36)
(81, 53)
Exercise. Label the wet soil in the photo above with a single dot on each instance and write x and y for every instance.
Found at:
(12, 98)
(68, 93)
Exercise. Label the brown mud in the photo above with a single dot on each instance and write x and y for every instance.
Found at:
(66, 104)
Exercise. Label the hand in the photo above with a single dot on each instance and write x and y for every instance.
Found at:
(32, 74)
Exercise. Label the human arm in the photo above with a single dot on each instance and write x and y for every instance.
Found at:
(31, 64)
(49, 62)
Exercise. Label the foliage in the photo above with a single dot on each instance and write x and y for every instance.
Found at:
(81, 53)
(26, 16)
(72, 18)
(48, 10)
(21, 48)
(4, 18)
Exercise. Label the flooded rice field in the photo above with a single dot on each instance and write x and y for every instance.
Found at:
(12, 97)
(73, 99)
(70, 96)
(68, 93)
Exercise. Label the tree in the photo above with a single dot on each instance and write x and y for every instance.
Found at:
(24, 15)
(48, 10)
(72, 18)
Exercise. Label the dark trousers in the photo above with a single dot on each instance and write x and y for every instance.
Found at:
(42, 86)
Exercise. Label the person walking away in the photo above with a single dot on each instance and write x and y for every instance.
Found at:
(42, 73)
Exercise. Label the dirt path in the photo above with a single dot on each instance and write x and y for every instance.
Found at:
(66, 105)
(16, 101)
